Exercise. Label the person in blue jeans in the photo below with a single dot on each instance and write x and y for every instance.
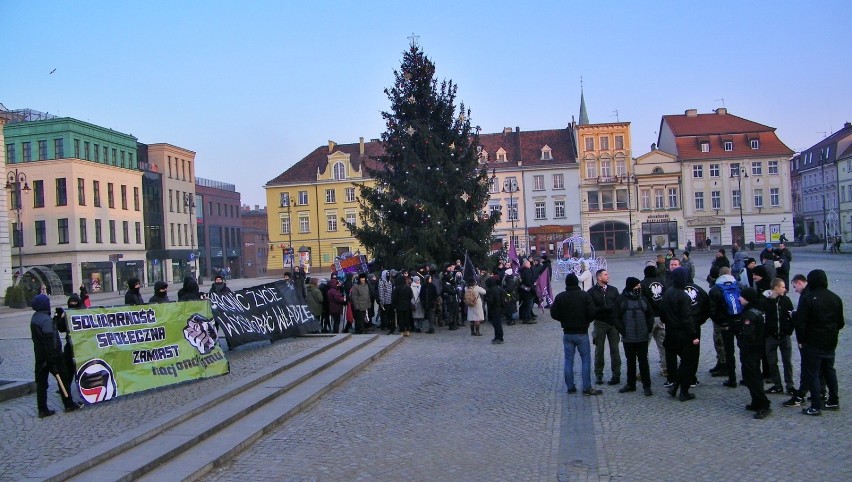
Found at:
(573, 308)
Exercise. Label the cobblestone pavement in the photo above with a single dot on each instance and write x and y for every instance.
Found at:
(451, 406)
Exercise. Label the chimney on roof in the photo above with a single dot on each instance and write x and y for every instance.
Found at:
(507, 130)
(374, 140)
(331, 145)
(847, 125)
(361, 146)
(721, 111)
(691, 112)
(653, 146)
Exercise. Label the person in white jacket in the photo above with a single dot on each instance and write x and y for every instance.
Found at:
(475, 311)
(585, 277)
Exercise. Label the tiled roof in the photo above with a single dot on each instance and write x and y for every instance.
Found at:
(560, 141)
(710, 124)
(689, 148)
(846, 153)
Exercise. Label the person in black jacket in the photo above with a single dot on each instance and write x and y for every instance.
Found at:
(779, 327)
(161, 294)
(526, 291)
(401, 299)
(495, 298)
(751, 327)
(428, 298)
(605, 299)
(189, 291)
(635, 321)
(574, 310)
(47, 349)
(652, 290)
(133, 296)
(682, 337)
(219, 286)
(819, 320)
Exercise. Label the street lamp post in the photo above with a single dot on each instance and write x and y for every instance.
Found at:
(822, 160)
(741, 172)
(14, 182)
(630, 180)
(189, 203)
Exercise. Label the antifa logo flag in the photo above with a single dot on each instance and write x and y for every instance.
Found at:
(470, 272)
(543, 290)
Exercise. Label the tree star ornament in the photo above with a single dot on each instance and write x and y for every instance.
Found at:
(465, 197)
(410, 131)
(411, 99)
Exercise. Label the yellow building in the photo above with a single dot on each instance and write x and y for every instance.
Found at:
(308, 204)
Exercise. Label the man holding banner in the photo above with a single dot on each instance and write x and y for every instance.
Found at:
(47, 348)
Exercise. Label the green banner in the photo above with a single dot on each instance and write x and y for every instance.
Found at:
(128, 349)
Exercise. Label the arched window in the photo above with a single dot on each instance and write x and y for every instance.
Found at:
(591, 168)
(606, 166)
(339, 171)
(620, 165)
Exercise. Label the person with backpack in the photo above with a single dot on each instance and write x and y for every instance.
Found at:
(779, 327)
(496, 300)
(635, 321)
(473, 302)
(751, 327)
(725, 310)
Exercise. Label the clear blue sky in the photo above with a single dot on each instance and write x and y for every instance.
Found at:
(252, 87)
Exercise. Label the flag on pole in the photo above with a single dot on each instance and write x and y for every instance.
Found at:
(513, 255)
(469, 271)
(543, 290)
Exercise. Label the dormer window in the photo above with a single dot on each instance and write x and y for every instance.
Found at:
(483, 156)
(339, 171)
(755, 144)
(729, 146)
(501, 155)
(546, 153)
(705, 147)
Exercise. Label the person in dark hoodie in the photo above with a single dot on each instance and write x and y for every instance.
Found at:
(574, 310)
(219, 286)
(682, 337)
(635, 321)
(819, 319)
(133, 296)
(653, 289)
(189, 291)
(161, 294)
(751, 327)
(495, 299)
(401, 299)
(47, 349)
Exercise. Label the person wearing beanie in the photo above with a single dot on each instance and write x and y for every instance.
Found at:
(635, 322)
(652, 290)
(495, 300)
(761, 278)
(682, 337)
(574, 310)
(219, 287)
(47, 348)
(133, 297)
(161, 294)
(752, 329)
(189, 291)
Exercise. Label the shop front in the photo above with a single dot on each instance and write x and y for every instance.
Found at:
(546, 239)
(97, 276)
(659, 232)
(129, 269)
(610, 236)
(704, 228)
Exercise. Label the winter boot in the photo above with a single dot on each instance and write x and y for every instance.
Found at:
(477, 330)
(472, 329)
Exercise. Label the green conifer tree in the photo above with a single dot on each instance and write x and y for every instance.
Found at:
(428, 203)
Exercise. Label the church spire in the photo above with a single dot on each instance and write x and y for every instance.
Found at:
(584, 116)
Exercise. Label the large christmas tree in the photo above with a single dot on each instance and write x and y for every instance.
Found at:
(428, 202)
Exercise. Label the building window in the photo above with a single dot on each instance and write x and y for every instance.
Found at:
(501, 155)
(621, 199)
(112, 231)
(27, 150)
(97, 152)
(758, 198)
(138, 227)
(135, 198)
(606, 200)
(42, 150)
(546, 154)
(714, 170)
(705, 147)
(540, 210)
(114, 156)
(106, 155)
(61, 192)
(594, 201)
(18, 239)
(284, 200)
(96, 192)
(350, 219)
(620, 165)
(673, 197)
(773, 167)
(77, 148)
(659, 200)
(99, 235)
(40, 233)
(329, 196)
(124, 197)
(350, 194)
(590, 143)
(775, 196)
(183, 169)
(735, 199)
(304, 223)
(62, 230)
(606, 167)
(604, 143)
(86, 150)
(339, 171)
(756, 168)
(122, 159)
(495, 184)
(110, 195)
(81, 191)
(646, 199)
(538, 183)
(10, 153)
(59, 148)
(697, 171)
(735, 169)
(38, 194)
(716, 199)
(619, 142)
(558, 181)
(591, 169)
(125, 231)
(218, 209)
(285, 225)
(331, 220)
(699, 201)
(755, 144)
(559, 209)
(303, 198)
(84, 233)
(729, 146)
